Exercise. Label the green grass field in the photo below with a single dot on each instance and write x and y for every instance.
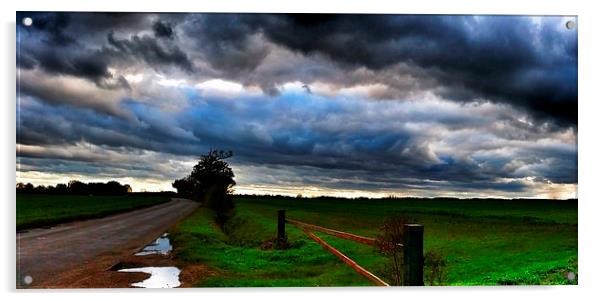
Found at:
(38, 210)
(484, 242)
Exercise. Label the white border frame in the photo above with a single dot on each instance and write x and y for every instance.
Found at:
(589, 161)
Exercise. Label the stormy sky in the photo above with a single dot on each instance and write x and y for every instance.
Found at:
(345, 105)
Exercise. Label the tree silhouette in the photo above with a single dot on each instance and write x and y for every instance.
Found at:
(211, 182)
(185, 186)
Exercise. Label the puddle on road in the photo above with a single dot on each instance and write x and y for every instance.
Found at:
(161, 277)
(161, 245)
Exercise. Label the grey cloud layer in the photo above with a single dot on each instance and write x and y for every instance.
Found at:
(411, 144)
(505, 59)
(378, 101)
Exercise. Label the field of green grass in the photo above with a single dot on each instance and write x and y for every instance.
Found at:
(39, 210)
(484, 242)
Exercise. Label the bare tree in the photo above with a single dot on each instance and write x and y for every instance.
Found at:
(389, 242)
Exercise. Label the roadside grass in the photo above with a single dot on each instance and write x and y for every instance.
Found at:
(40, 210)
(242, 262)
(488, 242)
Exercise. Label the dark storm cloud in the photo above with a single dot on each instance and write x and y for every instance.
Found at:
(54, 25)
(502, 58)
(227, 41)
(84, 44)
(25, 61)
(148, 49)
(92, 65)
(49, 45)
(80, 27)
(163, 30)
(465, 58)
(102, 91)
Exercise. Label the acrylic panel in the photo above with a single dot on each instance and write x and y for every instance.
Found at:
(295, 150)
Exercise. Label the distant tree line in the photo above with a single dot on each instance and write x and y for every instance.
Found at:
(77, 188)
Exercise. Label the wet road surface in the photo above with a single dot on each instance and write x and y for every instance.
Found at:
(67, 252)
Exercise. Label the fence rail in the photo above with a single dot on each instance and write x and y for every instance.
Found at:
(361, 239)
(412, 246)
(362, 271)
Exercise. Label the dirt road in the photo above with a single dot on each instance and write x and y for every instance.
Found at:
(66, 254)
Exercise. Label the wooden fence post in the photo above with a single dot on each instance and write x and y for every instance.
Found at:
(281, 223)
(413, 254)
